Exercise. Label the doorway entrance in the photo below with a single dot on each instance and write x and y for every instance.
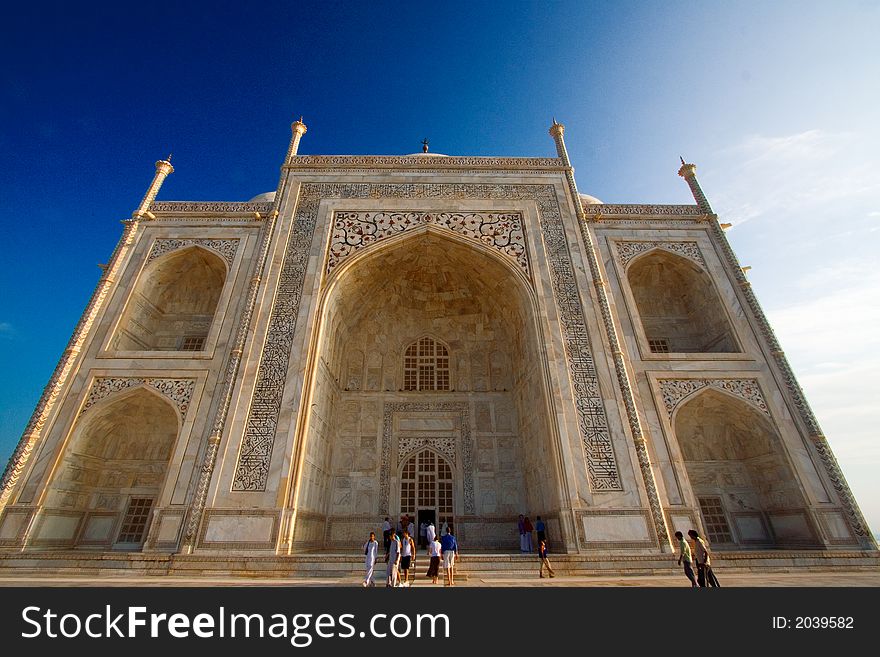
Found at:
(426, 489)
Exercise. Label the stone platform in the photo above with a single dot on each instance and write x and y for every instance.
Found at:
(34, 566)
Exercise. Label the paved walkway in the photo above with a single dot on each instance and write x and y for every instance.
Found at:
(846, 579)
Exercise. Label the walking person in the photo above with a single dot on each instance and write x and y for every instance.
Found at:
(542, 554)
(386, 534)
(541, 530)
(449, 548)
(705, 576)
(423, 534)
(684, 556)
(392, 577)
(430, 532)
(371, 551)
(407, 557)
(434, 551)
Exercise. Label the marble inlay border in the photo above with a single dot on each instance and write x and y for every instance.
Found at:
(252, 469)
(467, 464)
(209, 207)
(353, 231)
(674, 391)
(178, 391)
(626, 251)
(225, 248)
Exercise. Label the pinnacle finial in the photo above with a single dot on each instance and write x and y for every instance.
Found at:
(682, 160)
(168, 159)
(425, 145)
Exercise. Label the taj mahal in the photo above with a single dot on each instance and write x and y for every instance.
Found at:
(461, 339)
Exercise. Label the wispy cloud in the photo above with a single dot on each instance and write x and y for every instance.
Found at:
(768, 175)
(6, 330)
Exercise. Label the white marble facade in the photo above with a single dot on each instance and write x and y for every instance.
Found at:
(241, 384)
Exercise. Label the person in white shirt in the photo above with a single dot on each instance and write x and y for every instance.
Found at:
(371, 551)
(431, 533)
(407, 557)
(434, 550)
(423, 534)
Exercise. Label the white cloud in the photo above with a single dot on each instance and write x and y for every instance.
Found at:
(6, 330)
(768, 176)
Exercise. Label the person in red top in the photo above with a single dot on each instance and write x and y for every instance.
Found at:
(527, 530)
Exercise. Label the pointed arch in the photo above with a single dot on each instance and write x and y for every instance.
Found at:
(679, 308)
(115, 465)
(738, 470)
(174, 302)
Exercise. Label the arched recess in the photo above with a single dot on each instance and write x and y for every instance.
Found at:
(469, 298)
(427, 486)
(678, 305)
(743, 483)
(173, 305)
(114, 467)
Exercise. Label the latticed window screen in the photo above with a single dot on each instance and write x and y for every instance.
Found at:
(134, 524)
(426, 483)
(426, 366)
(717, 529)
(192, 343)
(659, 346)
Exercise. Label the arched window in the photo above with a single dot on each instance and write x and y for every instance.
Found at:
(426, 366)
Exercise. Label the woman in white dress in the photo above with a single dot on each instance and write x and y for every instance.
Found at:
(371, 550)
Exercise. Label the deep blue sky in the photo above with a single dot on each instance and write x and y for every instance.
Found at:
(776, 104)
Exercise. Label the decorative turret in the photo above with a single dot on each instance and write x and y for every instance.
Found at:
(298, 128)
(163, 169)
(689, 173)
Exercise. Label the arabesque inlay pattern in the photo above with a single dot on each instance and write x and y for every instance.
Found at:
(179, 391)
(253, 464)
(674, 391)
(353, 231)
(225, 248)
(626, 251)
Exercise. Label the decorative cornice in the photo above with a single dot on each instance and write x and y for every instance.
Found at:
(424, 162)
(209, 207)
(622, 210)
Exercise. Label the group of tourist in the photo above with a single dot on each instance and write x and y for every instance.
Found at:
(400, 552)
(699, 555)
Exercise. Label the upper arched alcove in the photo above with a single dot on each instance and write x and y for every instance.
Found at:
(678, 305)
(173, 305)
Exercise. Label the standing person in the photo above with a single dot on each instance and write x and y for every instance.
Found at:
(407, 556)
(386, 534)
(371, 551)
(520, 526)
(430, 532)
(528, 529)
(685, 556)
(434, 551)
(393, 559)
(449, 548)
(411, 528)
(541, 530)
(423, 534)
(542, 554)
(705, 576)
